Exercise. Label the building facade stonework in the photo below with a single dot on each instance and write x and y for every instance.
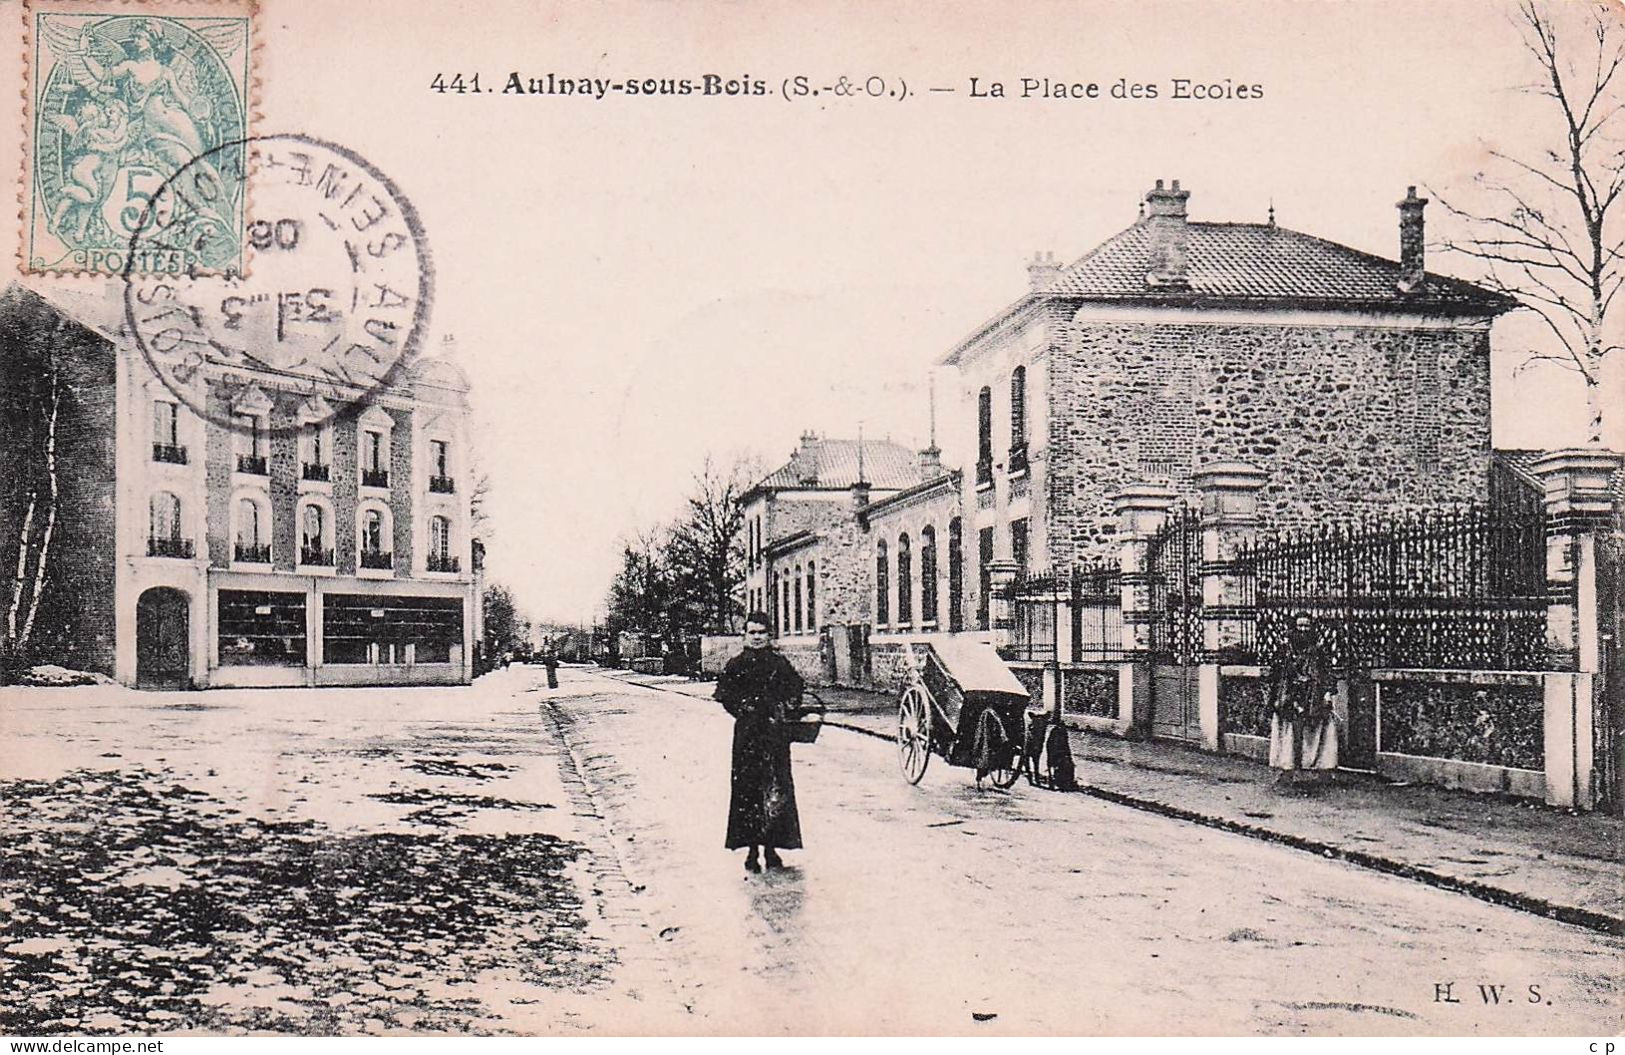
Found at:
(298, 533)
(1353, 383)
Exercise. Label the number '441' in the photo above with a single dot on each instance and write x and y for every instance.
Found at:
(456, 84)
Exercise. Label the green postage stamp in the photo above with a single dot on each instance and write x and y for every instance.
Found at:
(122, 96)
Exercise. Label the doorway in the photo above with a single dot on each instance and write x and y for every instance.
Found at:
(163, 639)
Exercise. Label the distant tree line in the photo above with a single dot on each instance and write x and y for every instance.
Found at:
(682, 579)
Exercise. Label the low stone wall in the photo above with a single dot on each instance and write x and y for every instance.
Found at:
(1243, 705)
(1487, 718)
(716, 650)
(1468, 776)
(804, 655)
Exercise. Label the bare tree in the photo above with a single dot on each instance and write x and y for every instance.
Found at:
(1547, 231)
(707, 545)
(479, 516)
(24, 585)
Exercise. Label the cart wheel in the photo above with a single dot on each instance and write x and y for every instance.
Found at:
(994, 749)
(914, 733)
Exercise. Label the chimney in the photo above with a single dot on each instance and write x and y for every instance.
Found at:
(1165, 221)
(806, 458)
(1042, 271)
(860, 496)
(930, 462)
(1412, 275)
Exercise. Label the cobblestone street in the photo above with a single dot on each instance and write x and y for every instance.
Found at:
(511, 859)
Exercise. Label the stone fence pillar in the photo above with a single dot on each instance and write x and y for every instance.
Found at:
(1142, 511)
(1001, 576)
(1578, 507)
(1229, 492)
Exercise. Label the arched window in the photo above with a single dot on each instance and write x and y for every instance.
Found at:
(439, 557)
(372, 532)
(248, 522)
(984, 561)
(956, 575)
(905, 582)
(313, 529)
(812, 603)
(165, 519)
(882, 586)
(795, 604)
(985, 429)
(928, 575)
(1018, 419)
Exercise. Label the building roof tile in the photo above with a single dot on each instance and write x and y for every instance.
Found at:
(828, 464)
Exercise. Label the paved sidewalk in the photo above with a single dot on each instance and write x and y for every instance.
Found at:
(1526, 855)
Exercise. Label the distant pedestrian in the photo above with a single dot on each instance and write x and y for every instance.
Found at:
(550, 660)
(1303, 727)
(759, 688)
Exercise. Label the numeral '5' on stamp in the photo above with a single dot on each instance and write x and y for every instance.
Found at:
(121, 96)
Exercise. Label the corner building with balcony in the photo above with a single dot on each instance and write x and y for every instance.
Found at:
(301, 532)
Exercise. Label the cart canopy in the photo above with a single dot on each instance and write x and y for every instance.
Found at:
(974, 666)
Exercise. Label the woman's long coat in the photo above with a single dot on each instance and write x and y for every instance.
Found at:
(757, 687)
(1303, 729)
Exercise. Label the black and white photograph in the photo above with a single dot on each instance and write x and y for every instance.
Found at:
(695, 518)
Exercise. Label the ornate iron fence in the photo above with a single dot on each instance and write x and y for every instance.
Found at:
(1034, 599)
(1462, 589)
(1087, 601)
(1174, 567)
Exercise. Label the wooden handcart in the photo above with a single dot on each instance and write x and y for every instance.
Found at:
(961, 702)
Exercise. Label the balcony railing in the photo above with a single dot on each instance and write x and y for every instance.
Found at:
(314, 471)
(174, 453)
(249, 553)
(251, 463)
(375, 478)
(374, 559)
(441, 562)
(316, 557)
(443, 485)
(1018, 459)
(169, 547)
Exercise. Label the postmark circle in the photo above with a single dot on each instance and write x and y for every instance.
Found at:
(335, 295)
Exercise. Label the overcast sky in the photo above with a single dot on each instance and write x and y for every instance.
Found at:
(634, 283)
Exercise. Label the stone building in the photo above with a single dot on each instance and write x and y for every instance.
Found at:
(321, 538)
(806, 551)
(1351, 380)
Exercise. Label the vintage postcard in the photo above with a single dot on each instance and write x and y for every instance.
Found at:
(1068, 518)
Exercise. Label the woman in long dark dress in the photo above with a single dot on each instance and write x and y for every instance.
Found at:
(1303, 728)
(759, 687)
